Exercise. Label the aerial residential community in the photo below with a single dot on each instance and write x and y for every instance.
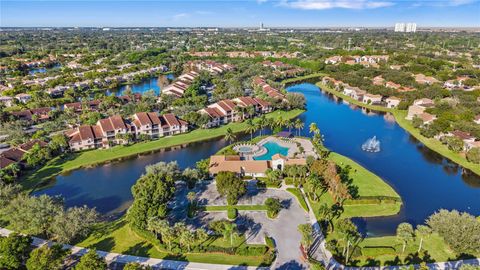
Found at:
(200, 137)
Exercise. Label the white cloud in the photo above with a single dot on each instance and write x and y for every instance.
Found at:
(444, 3)
(180, 16)
(261, 1)
(329, 4)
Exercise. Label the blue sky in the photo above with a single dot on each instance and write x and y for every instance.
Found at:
(295, 13)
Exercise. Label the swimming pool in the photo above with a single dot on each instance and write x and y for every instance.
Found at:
(272, 149)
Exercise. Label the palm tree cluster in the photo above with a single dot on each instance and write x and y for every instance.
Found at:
(262, 123)
(178, 233)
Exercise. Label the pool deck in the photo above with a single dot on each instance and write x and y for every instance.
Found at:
(293, 146)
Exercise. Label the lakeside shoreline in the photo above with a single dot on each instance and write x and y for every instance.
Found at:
(399, 116)
(98, 157)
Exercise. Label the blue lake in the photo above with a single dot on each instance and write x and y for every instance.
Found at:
(425, 180)
(142, 87)
(33, 71)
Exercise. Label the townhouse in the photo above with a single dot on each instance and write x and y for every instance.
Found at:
(15, 154)
(35, 115)
(114, 130)
(78, 107)
(418, 109)
(422, 79)
(23, 98)
(226, 111)
(372, 99)
(354, 92)
(6, 100)
(392, 102)
(213, 67)
(181, 84)
(267, 89)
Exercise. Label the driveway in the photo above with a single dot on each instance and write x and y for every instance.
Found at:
(255, 224)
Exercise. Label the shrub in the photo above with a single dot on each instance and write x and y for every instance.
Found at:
(474, 155)
(232, 213)
(273, 207)
(270, 242)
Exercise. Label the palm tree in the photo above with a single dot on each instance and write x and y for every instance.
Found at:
(230, 135)
(156, 225)
(251, 111)
(229, 229)
(262, 123)
(191, 196)
(314, 128)
(200, 236)
(251, 128)
(299, 125)
(186, 238)
(289, 124)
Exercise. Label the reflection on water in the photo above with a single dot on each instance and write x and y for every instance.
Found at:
(107, 187)
(425, 180)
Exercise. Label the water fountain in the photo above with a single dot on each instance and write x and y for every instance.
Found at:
(371, 145)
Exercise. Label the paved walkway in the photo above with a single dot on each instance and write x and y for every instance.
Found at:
(319, 252)
(111, 257)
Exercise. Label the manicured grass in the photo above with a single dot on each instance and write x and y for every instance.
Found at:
(297, 193)
(434, 249)
(371, 210)
(434, 144)
(95, 157)
(368, 183)
(302, 78)
(118, 237)
(399, 115)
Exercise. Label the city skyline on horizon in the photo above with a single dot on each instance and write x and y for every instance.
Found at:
(273, 14)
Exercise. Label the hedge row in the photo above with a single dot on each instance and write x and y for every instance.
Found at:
(373, 200)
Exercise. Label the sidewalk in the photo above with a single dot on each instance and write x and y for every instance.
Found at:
(155, 263)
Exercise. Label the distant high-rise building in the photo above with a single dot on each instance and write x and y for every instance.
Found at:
(411, 27)
(406, 27)
(399, 27)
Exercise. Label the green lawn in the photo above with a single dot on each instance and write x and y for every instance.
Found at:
(302, 78)
(297, 193)
(399, 115)
(119, 238)
(95, 157)
(368, 183)
(434, 144)
(434, 249)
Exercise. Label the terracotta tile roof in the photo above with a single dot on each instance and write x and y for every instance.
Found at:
(262, 102)
(106, 125)
(213, 112)
(4, 162)
(85, 132)
(14, 154)
(143, 118)
(462, 135)
(28, 145)
(234, 164)
(154, 118)
(171, 119)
